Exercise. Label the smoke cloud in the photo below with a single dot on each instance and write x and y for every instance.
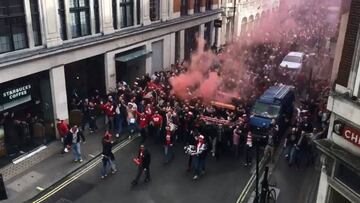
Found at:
(248, 64)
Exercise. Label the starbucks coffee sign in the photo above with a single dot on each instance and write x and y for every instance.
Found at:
(11, 94)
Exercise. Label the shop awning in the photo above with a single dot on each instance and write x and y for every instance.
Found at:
(132, 55)
(333, 150)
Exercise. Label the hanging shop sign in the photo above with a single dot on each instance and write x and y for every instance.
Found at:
(348, 132)
(10, 94)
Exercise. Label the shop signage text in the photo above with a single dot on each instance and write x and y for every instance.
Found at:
(18, 92)
(348, 132)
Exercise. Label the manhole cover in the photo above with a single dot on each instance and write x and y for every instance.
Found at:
(62, 200)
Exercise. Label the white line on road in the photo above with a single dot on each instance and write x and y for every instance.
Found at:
(80, 173)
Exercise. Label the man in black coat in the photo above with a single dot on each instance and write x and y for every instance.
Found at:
(144, 158)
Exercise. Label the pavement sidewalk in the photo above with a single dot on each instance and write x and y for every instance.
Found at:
(296, 185)
(30, 181)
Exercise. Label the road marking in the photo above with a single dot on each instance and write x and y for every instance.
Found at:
(246, 189)
(80, 173)
(250, 181)
(39, 188)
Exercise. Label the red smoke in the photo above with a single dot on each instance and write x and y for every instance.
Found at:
(235, 79)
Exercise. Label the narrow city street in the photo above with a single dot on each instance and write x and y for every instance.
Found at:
(223, 181)
(258, 101)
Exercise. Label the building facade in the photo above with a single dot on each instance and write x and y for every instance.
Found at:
(340, 174)
(53, 50)
(240, 17)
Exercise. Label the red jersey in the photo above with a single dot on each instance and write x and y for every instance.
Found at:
(157, 120)
(109, 109)
(62, 128)
(143, 120)
(168, 138)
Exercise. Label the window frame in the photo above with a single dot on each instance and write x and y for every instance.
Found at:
(184, 8)
(356, 69)
(36, 24)
(124, 15)
(77, 10)
(155, 10)
(208, 5)
(62, 16)
(10, 22)
(97, 15)
(114, 14)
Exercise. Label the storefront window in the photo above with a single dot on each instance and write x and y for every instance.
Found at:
(336, 197)
(26, 115)
(348, 177)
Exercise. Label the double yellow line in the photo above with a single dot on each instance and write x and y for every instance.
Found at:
(80, 173)
(247, 187)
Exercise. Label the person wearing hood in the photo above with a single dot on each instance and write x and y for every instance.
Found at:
(73, 139)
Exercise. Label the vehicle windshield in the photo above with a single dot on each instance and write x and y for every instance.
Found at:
(265, 110)
(293, 59)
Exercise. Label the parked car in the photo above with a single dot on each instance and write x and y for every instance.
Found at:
(293, 61)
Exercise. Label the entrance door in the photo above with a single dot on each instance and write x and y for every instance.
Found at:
(157, 56)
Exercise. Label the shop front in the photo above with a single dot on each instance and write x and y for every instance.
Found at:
(132, 64)
(340, 174)
(84, 79)
(26, 115)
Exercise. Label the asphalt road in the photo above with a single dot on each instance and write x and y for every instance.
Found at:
(222, 183)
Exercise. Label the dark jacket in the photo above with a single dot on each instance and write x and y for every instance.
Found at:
(71, 134)
(107, 146)
(145, 160)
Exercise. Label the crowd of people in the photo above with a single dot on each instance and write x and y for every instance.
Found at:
(148, 106)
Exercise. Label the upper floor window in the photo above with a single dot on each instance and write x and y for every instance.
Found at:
(154, 10)
(13, 35)
(35, 19)
(80, 18)
(197, 6)
(97, 16)
(184, 7)
(127, 13)
(208, 4)
(114, 12)
(61, 12)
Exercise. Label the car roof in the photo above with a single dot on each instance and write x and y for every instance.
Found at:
(293, 53)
